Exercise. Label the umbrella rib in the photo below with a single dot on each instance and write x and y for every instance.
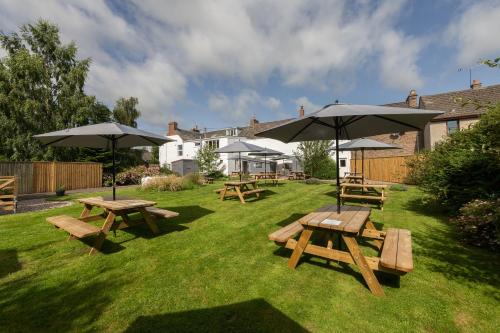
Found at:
(302, 130)
(56, 141)
(145, 138)
(323, 123)
(352, 120)
(398, 122)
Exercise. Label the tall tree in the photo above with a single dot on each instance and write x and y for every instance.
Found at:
(208, 160)
(314, 157)
(41, 90)
(125, 111)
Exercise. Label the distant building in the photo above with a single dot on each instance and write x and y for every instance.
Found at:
(460, 109)
(187, 143)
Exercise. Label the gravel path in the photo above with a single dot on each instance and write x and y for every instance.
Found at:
(33, 205)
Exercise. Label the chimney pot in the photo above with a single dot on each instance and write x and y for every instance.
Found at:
(195, 129)
(172, 127)
(301, 111)
(476, 84)
(411, 100)
(253, 121)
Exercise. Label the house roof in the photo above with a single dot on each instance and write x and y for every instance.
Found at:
(463, 103)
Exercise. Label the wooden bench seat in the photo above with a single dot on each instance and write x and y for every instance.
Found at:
(396, 250)
(219, 190)
(282, 235)
(74, 226)
(360, 196)
(161, 212)
(254, 191)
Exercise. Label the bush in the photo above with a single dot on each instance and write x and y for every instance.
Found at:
(170, 183)
(312, 181)
(399, 187)
(464, 167)
(479, 223)
(134, 175)
(192, 179)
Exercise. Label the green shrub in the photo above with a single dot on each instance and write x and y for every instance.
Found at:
(312, 181)
(479, 223)
(463, 167)
(134, 175)
(399, 187)
(170, 183)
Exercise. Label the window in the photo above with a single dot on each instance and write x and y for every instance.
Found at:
(196, 144)
(179, 150)
(214, 144)
(259, 165)
(342, 163)
(451, 126)
(232, 132)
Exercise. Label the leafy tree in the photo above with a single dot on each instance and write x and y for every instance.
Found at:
(314, 157)
(41, 90)
(208, 160)
(495, 63)
(155, 155)
(125, 111)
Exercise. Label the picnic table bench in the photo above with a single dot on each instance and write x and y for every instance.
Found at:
(239, 189)
(395, 254)
(368, 192)
(80, 228)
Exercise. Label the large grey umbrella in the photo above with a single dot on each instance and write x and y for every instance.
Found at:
(362, 144)
(347, 122)
(239, 147)
(282, 158)
(266, 152)
(104, 135)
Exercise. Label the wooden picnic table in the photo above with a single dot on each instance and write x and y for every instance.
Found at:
(240, 189)
(353, 179)
(79, 228)
(352, 223)
(373, 192)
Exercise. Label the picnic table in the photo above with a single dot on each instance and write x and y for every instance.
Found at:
(297, 175)
(353, 179)
(373, 192)
(80, 228)
(240, 189)
(353, 223)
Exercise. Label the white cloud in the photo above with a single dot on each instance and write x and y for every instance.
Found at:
(273, 103)
(475, 32)
(307, 104)
(243, 105)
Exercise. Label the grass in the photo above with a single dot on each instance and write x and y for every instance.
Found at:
(213, 269)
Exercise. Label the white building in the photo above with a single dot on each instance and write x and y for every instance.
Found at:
(187, 143)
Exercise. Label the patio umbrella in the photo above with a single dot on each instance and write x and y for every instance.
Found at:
(239, 147)
(362, 144)
(282, 158)
(105, 136)
(347, 122)
(266, 152)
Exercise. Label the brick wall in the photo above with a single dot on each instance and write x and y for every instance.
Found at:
(408, 141)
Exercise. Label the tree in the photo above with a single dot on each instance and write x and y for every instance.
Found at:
(41, 90)
(155, 155)
(208, 160)
(315, 159)
(125, 111)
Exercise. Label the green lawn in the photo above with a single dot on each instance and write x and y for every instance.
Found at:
(213, 269)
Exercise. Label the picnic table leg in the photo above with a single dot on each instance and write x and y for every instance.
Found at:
(86, 210)
(108, 223)
(369, 225)
(223, 193)
(299, 247)
(366, 271)
(239, 194)
(150, 221)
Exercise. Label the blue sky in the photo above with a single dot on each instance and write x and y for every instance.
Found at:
(217, 63)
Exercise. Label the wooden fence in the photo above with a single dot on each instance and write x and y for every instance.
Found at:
(386, 169)
(39, 177)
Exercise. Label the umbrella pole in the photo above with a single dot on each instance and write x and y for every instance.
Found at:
(362, 169)
(355, 167)
(337, 162)
(113, 145)
(265, 169)
(239, 157)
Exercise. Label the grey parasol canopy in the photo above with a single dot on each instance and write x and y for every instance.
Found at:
(266, 152)
(364, 144)
(347, 122)
(104, 135)
(239, 147)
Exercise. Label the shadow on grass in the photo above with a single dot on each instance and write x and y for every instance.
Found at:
(445, 254)
(33, 306)
(9, 262)
(251, 316)
(292, 218)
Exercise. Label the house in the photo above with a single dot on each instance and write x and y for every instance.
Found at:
(460, 109)
(187, 143)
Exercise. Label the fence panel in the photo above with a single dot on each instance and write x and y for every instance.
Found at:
(387, 169)
(23, 171)
(39, 177)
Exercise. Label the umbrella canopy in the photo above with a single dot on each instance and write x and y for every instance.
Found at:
(105, 135)
(266, 152)
(239, 147)
(364, 144)
(346, 122)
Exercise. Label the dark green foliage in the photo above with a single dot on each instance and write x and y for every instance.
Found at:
(133, 176)
(125, 111)
(41, 90)
(315, 159)
(465, 166)
(155, 155)
(208, 161)
(479, 223)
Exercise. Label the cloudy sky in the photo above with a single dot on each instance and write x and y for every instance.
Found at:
(217, 63)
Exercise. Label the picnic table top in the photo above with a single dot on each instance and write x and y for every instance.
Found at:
(117, 204)
(363, 185)
(351, 218)
(353, 176)
(239, 183)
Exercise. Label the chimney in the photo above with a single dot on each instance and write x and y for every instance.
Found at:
(411, 100)
(172, 127)
(301, 111)
(195, 129)
(253, 121)
(476, 84)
